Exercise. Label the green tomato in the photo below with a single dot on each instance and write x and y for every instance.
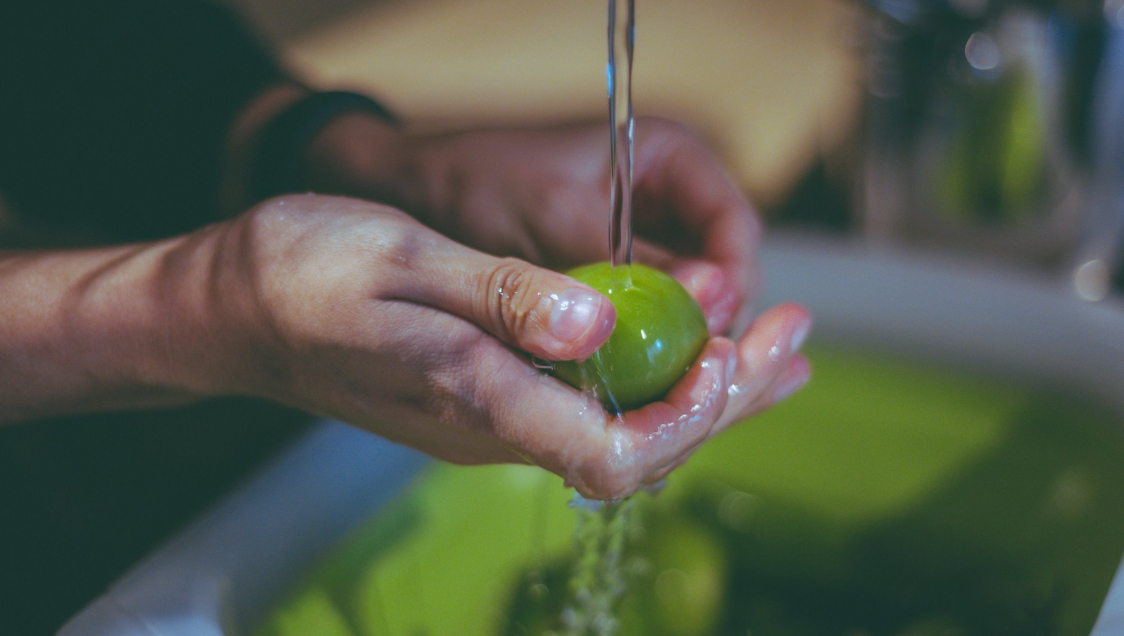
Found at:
(660, 331)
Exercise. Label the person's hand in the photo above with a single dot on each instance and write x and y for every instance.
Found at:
(359, 312)
(543, 195)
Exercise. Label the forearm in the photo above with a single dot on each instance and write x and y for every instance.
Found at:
(111, 328)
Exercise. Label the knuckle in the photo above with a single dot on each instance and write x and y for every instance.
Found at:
(604, 480)
(616, 484)
(452, 388)
(509, 294)
(462, 349)
(394, 245)
(462, 392)
(297, 269)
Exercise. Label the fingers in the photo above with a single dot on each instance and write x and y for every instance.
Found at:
(601, 456)
(780, 374)
(712, 289)
(718, 298)
(556, 427)
(684, 418)
(791, 380)
(686, 200)
(606, 458)
(536, 310)
(769, 366)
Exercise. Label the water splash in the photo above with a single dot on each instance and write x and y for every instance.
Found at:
(598, 581)
(622, 31)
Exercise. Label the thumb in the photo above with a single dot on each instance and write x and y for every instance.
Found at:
(542, 312)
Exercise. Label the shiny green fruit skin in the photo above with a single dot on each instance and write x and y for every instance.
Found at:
(660, 331)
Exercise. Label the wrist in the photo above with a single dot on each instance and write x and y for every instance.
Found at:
(178, 319)
(171, 315)
(88, 330)
(211, 307)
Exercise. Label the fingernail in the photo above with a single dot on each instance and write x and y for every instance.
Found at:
(799, 335)
(790, 386)
(731, 366)
(573, 314)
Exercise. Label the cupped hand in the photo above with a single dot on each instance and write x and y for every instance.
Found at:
(357, 311)
(543, 196)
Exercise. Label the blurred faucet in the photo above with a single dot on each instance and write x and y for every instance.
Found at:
(999, 125)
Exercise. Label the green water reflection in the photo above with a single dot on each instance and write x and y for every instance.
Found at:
(886, 499)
